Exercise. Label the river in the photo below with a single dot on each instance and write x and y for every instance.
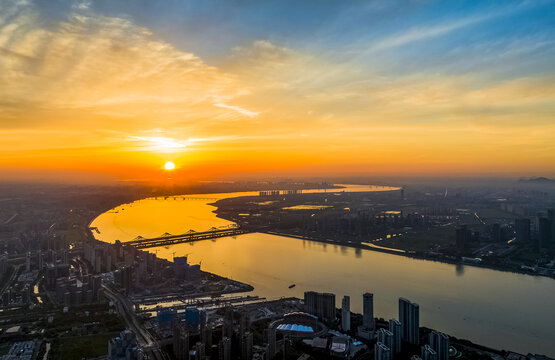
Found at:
(493, 308)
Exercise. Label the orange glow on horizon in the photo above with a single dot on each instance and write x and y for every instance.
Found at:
(105, 96)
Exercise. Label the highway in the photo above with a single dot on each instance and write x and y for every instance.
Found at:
(11, 279)
(124, 308)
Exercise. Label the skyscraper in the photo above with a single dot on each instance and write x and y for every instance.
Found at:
(270, 340)
(386, 337)
(522, 230)
(346, 313)
(496, 235)
(199, 351)
(320, 304)
(428, 353)
(395, 329)
(180, 342)
(368, 311)
(409, 316)
(463, 237)
(545, 227)
(310, 301)
(246, 346)
(381, 352)
(224, 349)
(551, 217)
(440, 343)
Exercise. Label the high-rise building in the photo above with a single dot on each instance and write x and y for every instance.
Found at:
(320, 304)
(440, 343)
(545, 236)
(381, 352)
(180, 342)
(227, 326)
(123, 347)
(395, 329)
(551, 217)
(463, 237)
(198, 351)
(409, 316)
(368, 311)
(428, 353)
(166, 318)
(224, 349)
(28, 262)
(326, 306)
(206, 336)
(346, 313)
(522, 230)
(496, 233)
(246, 346)
(244, 323)
(386, 337)
(310, 301)
(270, 340)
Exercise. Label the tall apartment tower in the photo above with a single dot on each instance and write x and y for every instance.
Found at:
(368, 311)
(545, 235)
(346, 313)
(180, 342)
(320, 304)
(386, 337)
(224, 349)
(270, 340)
(246, 346)
(381, 352)
(395, 328)
(551, 217)
(428, 353)
(409, 316)
(522, 230)
(440, 343)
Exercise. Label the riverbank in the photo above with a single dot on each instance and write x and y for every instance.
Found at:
(404, 253)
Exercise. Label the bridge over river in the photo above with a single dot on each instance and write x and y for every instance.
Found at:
(190, 236)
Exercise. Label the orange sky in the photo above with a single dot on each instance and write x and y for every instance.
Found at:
(94, 96)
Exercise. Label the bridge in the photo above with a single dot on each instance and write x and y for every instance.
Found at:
(190, 236)
(188, 198)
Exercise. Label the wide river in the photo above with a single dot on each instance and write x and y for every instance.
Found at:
(493, 308)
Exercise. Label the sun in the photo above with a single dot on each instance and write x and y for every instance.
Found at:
(169, 165)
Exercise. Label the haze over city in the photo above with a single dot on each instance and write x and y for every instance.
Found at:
(277, 179)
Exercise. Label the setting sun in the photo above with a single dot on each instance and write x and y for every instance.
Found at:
(169, 165)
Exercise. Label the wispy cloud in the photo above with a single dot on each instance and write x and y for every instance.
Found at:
(422, 33)
(238, 109)
(100, 65)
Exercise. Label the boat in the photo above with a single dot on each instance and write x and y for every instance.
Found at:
(292, 286)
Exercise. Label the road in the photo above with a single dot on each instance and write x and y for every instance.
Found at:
(11, 279)
(124, 308)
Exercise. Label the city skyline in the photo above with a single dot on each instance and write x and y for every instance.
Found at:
(277, 179)
(107, 91)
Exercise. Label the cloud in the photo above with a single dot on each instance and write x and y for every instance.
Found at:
(239, 109)
(100, 65)
(423, 33)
